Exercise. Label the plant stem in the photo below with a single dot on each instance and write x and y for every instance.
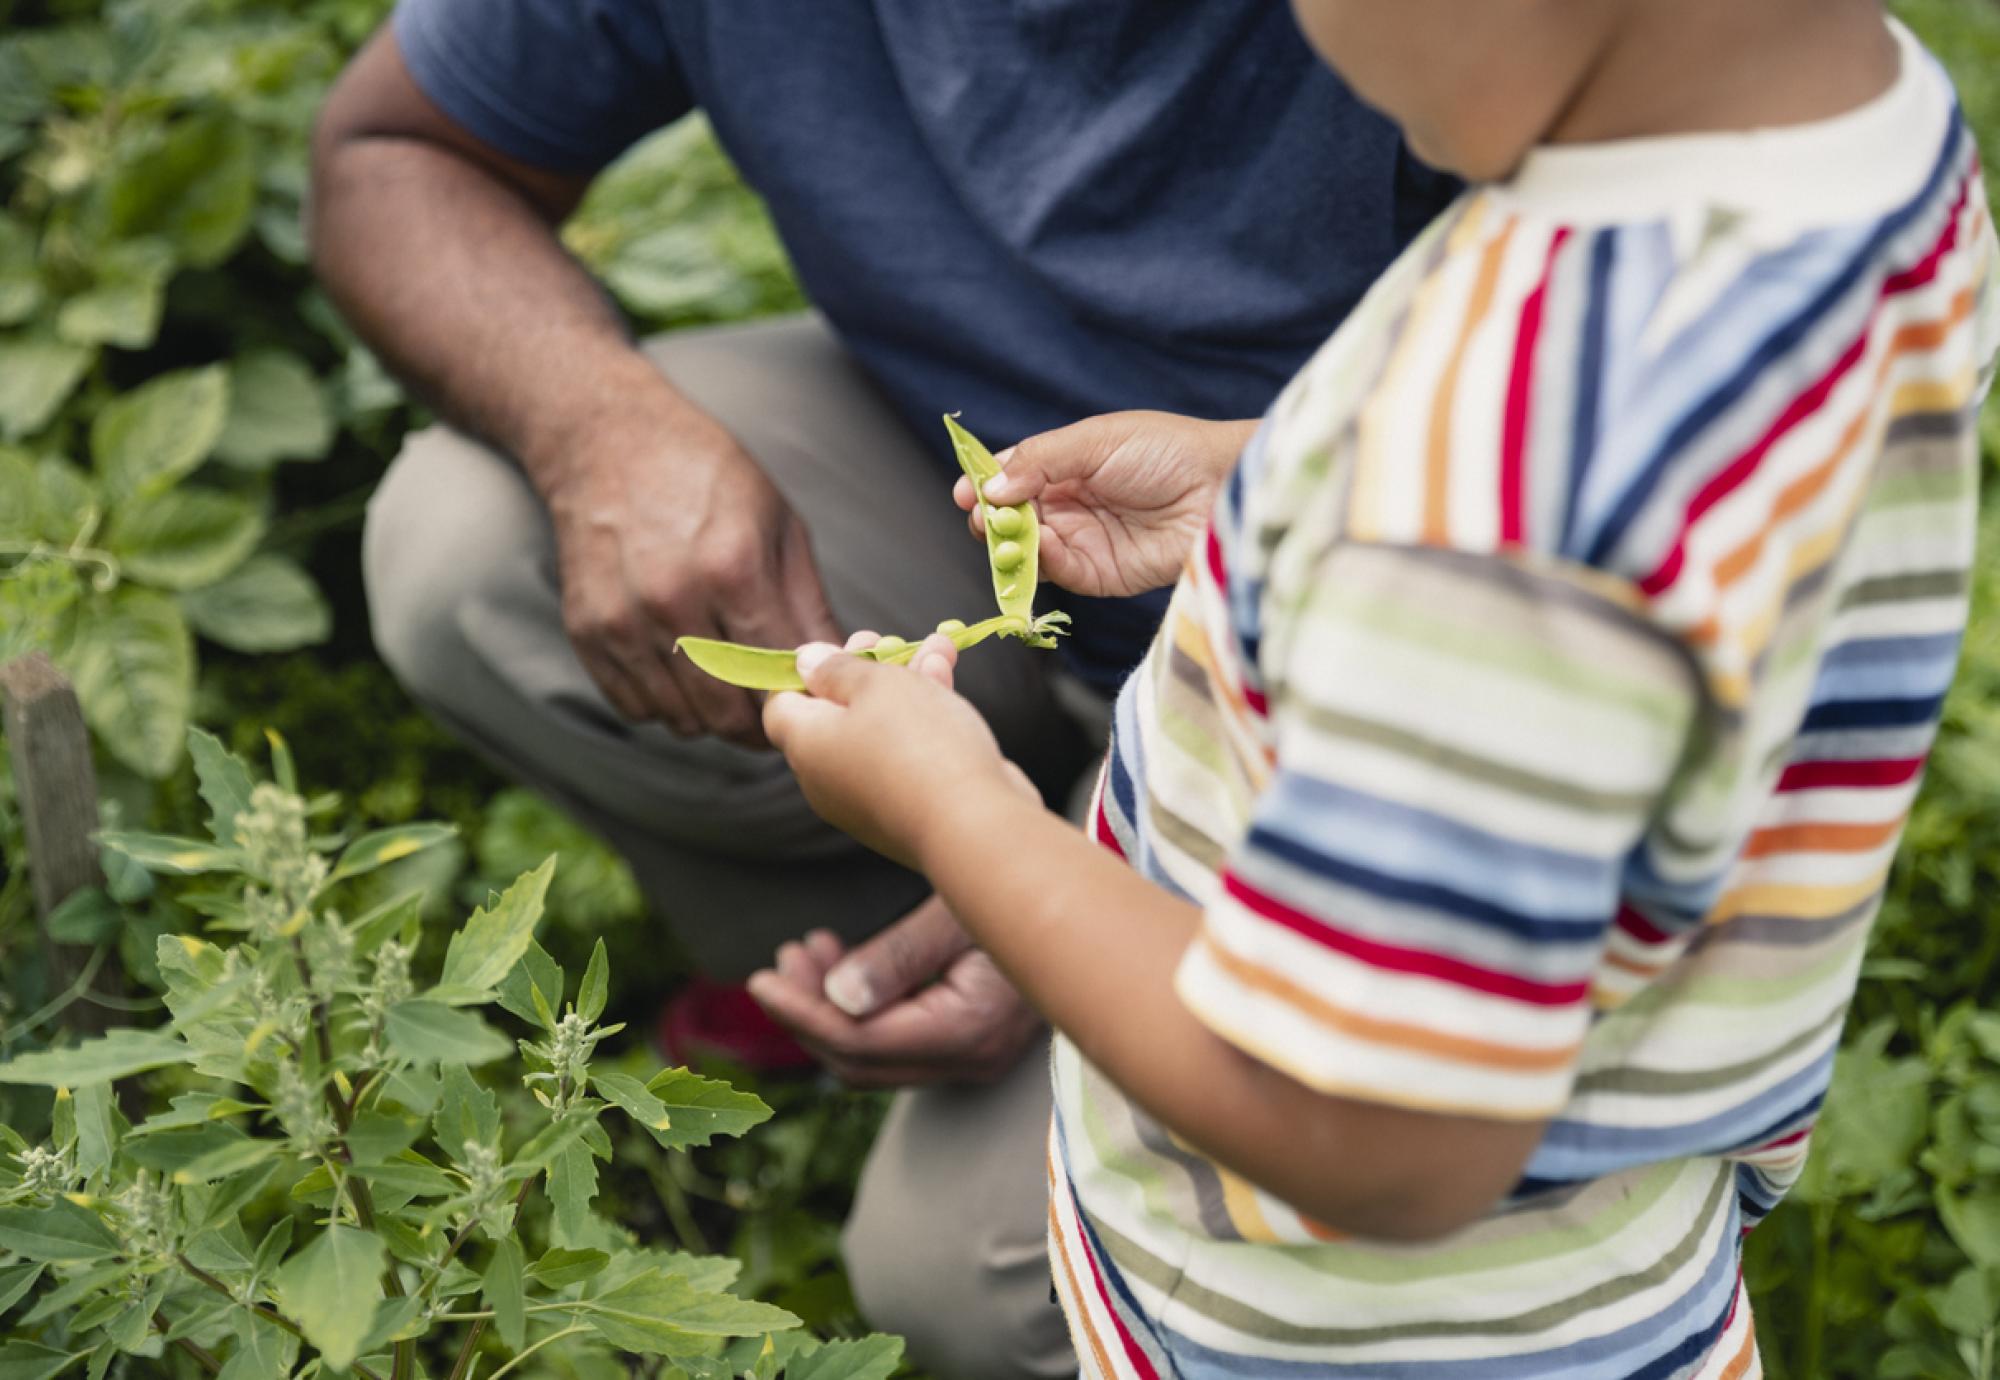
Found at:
(526, 1352)
(478, 1329)
(269, 1315)
(201, 1354)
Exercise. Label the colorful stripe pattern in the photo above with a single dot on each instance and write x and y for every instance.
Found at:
(1535, 726)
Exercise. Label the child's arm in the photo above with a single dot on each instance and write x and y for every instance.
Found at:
(907, 767)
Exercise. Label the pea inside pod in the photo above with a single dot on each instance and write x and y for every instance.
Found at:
(774, 668)
(1013, 537)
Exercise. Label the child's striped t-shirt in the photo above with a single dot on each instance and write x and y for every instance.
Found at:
(1534, 725)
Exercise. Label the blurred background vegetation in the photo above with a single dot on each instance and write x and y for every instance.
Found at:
(188, 437)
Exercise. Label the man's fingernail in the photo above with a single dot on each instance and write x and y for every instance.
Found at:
(847, 988)
(813, 655)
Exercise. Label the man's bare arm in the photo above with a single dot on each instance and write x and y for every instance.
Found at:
(442, 251)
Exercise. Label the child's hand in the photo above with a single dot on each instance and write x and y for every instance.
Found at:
(1122, 497)
(876, 748)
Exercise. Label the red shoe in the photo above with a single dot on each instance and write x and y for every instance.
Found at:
(707, 1020)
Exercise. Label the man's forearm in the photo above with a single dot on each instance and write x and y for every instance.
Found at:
(1094, 946)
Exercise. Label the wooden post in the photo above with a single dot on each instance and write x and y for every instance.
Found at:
(56, 784)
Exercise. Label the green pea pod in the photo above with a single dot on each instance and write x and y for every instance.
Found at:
(770, 668)
(1013, 537)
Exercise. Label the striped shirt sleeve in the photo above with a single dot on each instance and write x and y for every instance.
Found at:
(1467, 748)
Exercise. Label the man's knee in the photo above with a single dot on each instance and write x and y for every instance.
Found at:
(448, 526)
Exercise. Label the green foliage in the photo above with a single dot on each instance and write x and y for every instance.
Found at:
(322, 1185)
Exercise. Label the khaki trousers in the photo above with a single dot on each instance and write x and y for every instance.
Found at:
(946, 1244)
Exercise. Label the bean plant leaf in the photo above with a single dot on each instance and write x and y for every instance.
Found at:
(267, 604)
(20, 280)
(277, 411)
(662, 1315)
(101, 1060)
(123, 306)
(20, 494)
(865, 1358)
(385, 846)
(224, 781)
(32, 1361)
(146, 439)
(196, 189)
(132, 663)
(66, 501)
(505, 1294)
(428, 1032)
(482, 953)
(331, 1290)
(700, 1108)
(37, 376)
(184, 538)
(60, 1232)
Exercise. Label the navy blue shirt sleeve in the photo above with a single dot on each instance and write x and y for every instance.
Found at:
(565, 85)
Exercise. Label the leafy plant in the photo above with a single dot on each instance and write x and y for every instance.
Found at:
(322, 1094)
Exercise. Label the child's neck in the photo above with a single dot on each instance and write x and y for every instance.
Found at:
(1700, 66)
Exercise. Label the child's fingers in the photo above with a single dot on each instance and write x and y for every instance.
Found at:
(861, 641)
(936, 659)
(790, 717)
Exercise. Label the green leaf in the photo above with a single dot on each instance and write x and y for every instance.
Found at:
(661, 1315)
(504, 1294)
(428, 1032)
(227, 1160)
(17, 1280)
(20, 281)
(66, 501)
(1973, 1219)
(183, 538)
(493, 941)
(166, 853)
(196, 189)
(144, 440)
(385, 846)
(20, 496)
(267, 604)
(36, 377)
(96, 1129)
(132, 663)
(123, 306)
(628, 1094)
(866, 1358)
(224, 781)
(596, 988)
(535, 973)
(116, 1055)
(277, 411)
(701, 1108)
(572, 1185)
(560, 1267)
(29, 1361)
(331, 1290)
(88, 916)
(61, 1231)
(376, 1137)
(467, 1114)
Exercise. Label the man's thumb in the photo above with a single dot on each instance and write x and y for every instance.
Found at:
(897, 961)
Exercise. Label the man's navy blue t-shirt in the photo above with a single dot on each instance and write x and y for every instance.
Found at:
(1030, 211)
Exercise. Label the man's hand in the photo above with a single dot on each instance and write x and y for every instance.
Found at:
(1122, 497)
(665, 533)
(876, 1018)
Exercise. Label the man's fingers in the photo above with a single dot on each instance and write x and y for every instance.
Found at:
(897, 961)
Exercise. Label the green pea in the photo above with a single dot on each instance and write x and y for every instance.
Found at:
(1007, 522)
(951, 626)
(890, 644)
(1008, 556)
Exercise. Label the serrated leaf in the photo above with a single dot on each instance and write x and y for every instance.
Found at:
(180, 857)
(31, 1361)
(385, 846)
(630, 1096)
(132, 663)
(701, 1108)
(60, 1232)
(277, 411)
(535, 973)
(122, 307)
(376, 1137)
(267, 604)
(224, 781)
(561, 1267)
(660, 1315)
(183, 538)
(144, 440)
(36, 377)
(504, 1293)
(572, 1181)
(429, 1032)
(119, 1054)
(493, 940)
(866, 1358)
(331, 1289)
(87, 916)
(195, 189)
(596, 988)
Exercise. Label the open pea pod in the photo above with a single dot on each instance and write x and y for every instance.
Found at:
(1013, 536)
(773, 668)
